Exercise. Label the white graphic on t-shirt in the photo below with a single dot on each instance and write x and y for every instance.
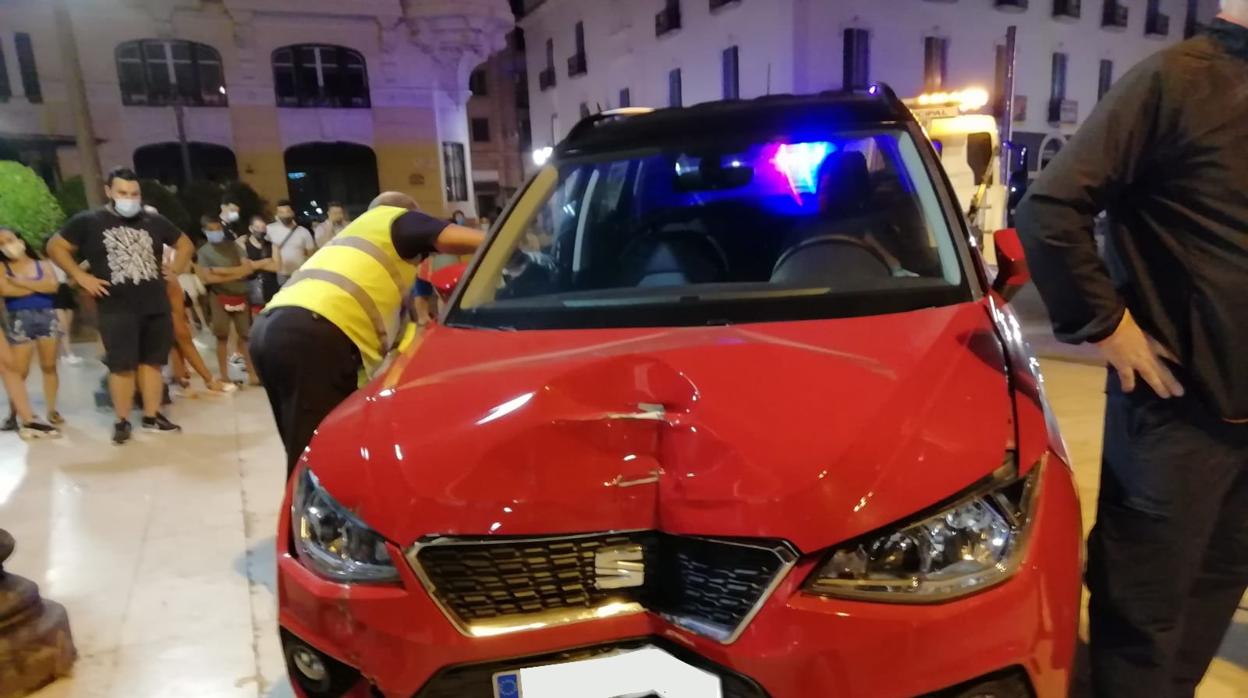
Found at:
(130, 256)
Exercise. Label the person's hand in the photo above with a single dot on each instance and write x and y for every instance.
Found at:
(1132, 352)
(249, 265)
(93, 285)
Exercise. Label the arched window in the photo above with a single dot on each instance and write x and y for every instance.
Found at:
(159, 72)
(316, 75)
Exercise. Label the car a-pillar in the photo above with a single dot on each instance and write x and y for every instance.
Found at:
(36, 647)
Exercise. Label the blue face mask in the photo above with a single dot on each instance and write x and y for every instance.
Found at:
(215, 236)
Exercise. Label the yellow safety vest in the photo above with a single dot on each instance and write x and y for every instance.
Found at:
(359, 282)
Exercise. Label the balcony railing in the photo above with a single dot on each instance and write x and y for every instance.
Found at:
(667, 20)
(1063, 111)
(1011, 5)
(1158, 24)
(577, 65)
(546, 79)
(1067, 9)
(1115, 16)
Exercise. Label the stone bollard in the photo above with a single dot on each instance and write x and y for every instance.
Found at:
(35, 645)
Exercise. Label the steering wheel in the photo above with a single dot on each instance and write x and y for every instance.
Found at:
(708, 247)
(832, 240)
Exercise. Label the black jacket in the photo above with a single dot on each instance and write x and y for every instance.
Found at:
(1166, 154)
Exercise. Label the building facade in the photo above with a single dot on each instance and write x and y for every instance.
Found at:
(586, 55)
(498, 126)
(314, 100)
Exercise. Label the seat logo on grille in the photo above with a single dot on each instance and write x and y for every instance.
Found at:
(619, 567)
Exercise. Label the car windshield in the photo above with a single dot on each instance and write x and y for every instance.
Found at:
(760, 230)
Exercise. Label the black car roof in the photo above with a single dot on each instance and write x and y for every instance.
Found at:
(613, 131)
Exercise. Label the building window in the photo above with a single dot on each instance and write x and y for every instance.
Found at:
(158, 72)
(1106, 79)
(1057, 85)
(456, 167)
(480, 130)
(546, 78)
(577, 63)
(315, 75)
(935, 62)
(857, 63)
(26, 66)
(584, 109)
(731, 73)
(1157, 23)
(6, 90)
(626, 97)
(1191, 24)
(478, 84)
(674, 93)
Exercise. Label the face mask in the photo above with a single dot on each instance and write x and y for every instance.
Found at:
(215, 236)
(13, 250)
(127, 208)
(287, 221)
(230, 217)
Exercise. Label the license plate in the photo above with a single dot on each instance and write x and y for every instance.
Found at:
(640, 672)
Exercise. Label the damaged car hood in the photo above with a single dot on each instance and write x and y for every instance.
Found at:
(813, 432)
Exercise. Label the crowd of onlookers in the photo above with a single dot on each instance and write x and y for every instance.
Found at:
(155, 295)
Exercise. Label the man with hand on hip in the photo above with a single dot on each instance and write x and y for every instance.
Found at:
(124, 245)
(1165, 153)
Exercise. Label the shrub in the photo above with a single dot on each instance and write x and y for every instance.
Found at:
(26, 205)
(72, 196)
(166, 202)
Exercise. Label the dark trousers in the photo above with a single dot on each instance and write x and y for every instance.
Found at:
(1168, 557)
(308, 367)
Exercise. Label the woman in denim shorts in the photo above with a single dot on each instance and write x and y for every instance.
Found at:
(28, 285)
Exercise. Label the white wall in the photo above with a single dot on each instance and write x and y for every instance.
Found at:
(801, 42)
(624, 52)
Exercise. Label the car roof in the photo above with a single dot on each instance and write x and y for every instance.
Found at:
(789, 114)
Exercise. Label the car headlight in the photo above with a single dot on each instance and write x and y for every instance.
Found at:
(968, 546)
(332, 541)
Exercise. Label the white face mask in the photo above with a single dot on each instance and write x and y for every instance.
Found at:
(13, 250)
(230, 217)
(127, 208)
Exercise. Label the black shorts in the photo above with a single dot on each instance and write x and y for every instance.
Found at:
(65, 299)
(131, 339)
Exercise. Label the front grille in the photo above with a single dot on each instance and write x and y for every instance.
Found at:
(706, 585)
(497, 580)
(476, 680)
(712, 586)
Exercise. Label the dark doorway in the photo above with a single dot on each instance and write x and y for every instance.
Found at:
(318, 173)
(163, 162)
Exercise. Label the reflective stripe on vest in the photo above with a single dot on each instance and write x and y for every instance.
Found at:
(352, 289)
(379, 256)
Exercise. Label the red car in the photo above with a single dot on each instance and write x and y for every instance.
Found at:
(727, 408)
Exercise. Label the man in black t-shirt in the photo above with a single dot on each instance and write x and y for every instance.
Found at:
(124, 247)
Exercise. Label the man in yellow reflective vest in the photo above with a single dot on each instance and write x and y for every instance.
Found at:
(343, 311)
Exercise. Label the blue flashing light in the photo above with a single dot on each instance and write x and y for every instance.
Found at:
(800, 163)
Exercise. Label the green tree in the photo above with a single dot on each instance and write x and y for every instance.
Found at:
(166, 202)
(72, 196)
(26, 205)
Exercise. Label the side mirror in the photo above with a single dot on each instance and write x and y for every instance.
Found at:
(1012, 272)
(447, 278)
